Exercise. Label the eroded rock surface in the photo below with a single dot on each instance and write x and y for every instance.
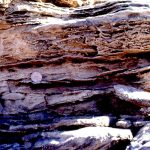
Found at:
(78, 74)
(142, 140)
(85, 138)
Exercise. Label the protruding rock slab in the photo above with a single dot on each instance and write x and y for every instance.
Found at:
(16, 103)
(102, 121)
(89, 138)
(133, 95)
(13, 96)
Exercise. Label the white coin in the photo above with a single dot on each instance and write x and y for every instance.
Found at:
(36, 77)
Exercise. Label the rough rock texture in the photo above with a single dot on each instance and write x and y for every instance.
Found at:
(65, 70)
(85, 138)
(142, 140)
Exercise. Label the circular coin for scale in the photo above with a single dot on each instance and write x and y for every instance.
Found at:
(36, 77)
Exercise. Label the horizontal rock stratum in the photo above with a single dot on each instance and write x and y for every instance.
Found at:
(74, 77)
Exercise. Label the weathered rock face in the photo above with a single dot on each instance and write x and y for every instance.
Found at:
(67, 74)
(85, 138)
(141, 140)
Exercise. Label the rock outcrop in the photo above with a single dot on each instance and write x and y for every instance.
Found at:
(74, 78)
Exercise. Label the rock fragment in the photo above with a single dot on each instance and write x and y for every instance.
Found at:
(13, 96)
(34, 101)
(4, 87)
(123, 123)
(140, 123)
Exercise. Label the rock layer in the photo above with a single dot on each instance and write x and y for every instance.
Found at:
(85, 138)
(68, 70)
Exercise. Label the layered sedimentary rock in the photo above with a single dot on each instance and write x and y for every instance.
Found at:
(67, 71)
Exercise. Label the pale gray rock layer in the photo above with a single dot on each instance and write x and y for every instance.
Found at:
(133, 95)
(89, 138)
